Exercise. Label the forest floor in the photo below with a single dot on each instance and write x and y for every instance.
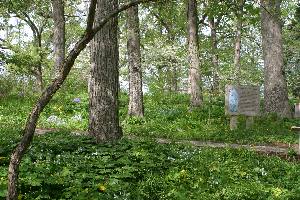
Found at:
(280, 149)
(172, 153)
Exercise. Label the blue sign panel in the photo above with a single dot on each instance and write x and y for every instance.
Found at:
(233, 100)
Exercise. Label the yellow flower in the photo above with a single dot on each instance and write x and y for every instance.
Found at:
(101, 188)
(277, 192)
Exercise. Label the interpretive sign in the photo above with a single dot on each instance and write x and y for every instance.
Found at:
(242, 100)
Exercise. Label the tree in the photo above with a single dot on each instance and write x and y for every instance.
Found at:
(238, 38)
(275, 86)
(292, 53)
(104, 77)
(214, 12)
(35, 15)
(194, 62)
(46, 96)
(135, 107)
(59, 34)
(213, 24)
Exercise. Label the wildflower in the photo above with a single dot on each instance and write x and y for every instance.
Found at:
(77, 100)
(77, 118)
(101, 188)
(277, 192)
(52, 119)
(55, 120)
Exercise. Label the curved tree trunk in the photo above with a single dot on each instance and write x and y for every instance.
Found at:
(59, 34)
(194, 62)
(135, 107)
(275, 86)
(104, 77)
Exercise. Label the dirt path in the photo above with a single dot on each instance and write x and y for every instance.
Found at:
(273, 149)
(258, 148)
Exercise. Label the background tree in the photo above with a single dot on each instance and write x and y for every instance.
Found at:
(275, 87)
(35, 15)
(292, 52)
(58, 15)
(194, 62)
(238, 38)
(135, 107)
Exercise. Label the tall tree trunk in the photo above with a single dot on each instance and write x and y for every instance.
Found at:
(238, 38)
(136, 106)
(104, 77)
(59, 34)
(194, 62)
(275, 86)
(214, 59)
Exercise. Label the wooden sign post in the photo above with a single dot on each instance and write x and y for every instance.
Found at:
(241, 100)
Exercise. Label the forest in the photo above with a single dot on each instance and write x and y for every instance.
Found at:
(150, 99)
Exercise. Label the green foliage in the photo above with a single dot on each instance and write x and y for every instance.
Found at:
(292, 53)
(24, 60)
(63, 166)
(6, 85)
(166, 116)
(169, 116)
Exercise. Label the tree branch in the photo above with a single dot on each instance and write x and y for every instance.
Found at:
(28, 20)
(116, 12)
(91, 15)
(163, 23)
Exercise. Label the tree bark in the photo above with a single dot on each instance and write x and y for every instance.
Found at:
(174, 77)
(104, 77)
(39, 77)
(238, 43)
(39, 68)
(59, 34)
(136, 106)
(275, 86)
(46, 96)
(194, 62)
(214, 58)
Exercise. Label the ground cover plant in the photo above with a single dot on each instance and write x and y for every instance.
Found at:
(142, 169)
(166, 116)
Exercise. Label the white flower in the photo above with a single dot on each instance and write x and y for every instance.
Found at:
(56, 120)
(52, 119)
(77, 118)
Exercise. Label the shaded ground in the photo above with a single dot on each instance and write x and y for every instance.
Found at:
(280, 149)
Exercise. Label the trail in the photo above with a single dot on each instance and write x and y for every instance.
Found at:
(281, 148)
